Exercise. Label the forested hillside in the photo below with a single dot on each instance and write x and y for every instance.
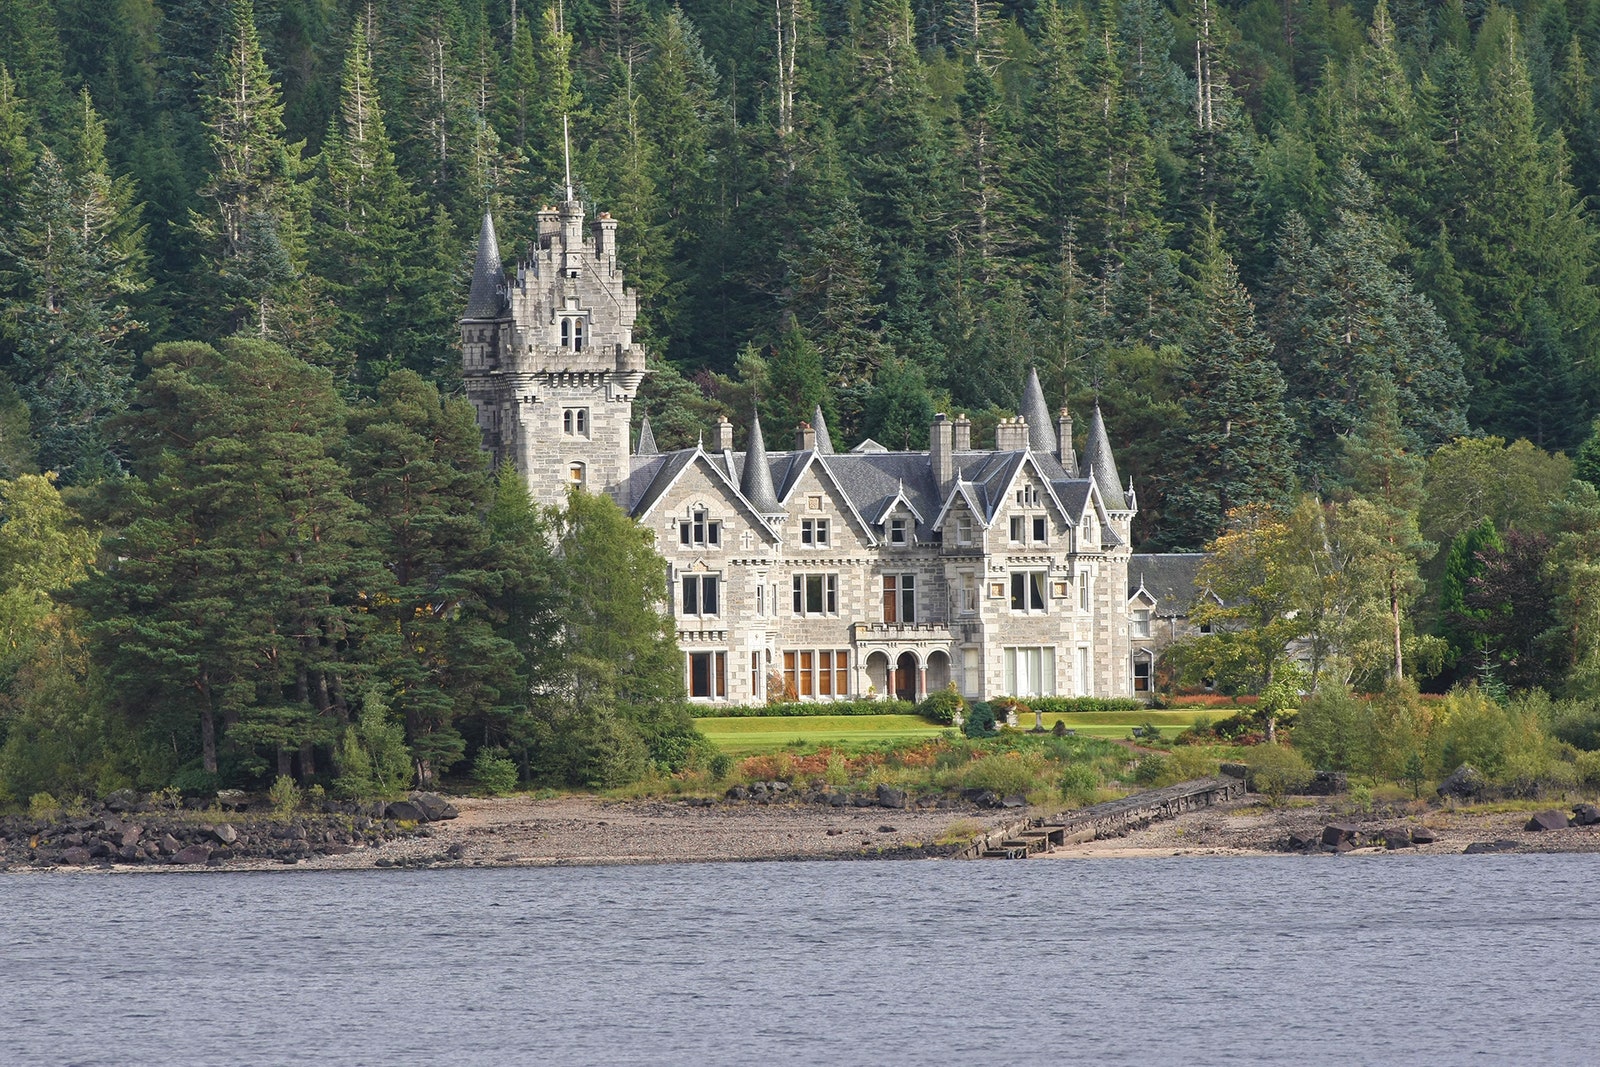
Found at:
(1295, 249)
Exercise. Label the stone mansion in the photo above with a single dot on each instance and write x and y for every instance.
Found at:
(802, 571)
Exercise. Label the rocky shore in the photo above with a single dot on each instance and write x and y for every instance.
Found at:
(141, 834)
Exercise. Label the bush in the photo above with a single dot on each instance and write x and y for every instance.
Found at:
(1236, 725)
(285, 796)
(195, 781)
(941, 707)
(1336, 731)
(1005, 773)
(1067, 705)
(980, 721)
(1151, 770)
(1587, 769)
(1278, 769)
(1079, 782)
(720, 766)
(43, 806)
(806, 707)
(373, 760)
(494, 771)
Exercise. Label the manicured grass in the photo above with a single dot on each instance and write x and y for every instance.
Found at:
(744, 737)
(749, 736)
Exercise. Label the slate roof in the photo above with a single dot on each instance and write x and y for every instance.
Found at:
(824, 442)
(1170, 577)
(647, 440)
(1101, 465)
(487, 300)
(1041, 431)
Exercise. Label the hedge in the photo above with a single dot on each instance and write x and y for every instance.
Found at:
(1067, 705)
(789, 710)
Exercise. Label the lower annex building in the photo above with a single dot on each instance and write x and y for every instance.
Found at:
(806, 572)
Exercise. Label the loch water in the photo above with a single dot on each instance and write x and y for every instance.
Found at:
(1196, 960)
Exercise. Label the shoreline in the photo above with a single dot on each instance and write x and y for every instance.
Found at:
(578, 830)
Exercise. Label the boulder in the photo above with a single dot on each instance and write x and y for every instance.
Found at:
(232, 799)
(433, 806)
(778, 787)
(225, 834)
(130, 834)
(130, 854)
(1421, 835)
(75, 857)
(1464, 783)
(1299, 842)
(169, 845)
(193, 855)
(403, 811)
(1480, 847)
(890, 797)
(887, 829)
(122, 800)
(1015, 800)
(1585, 815)
(837, 800)
(1548, 820)
(737, 792)
(1396, 837)
(862, 800)
(1234, 770)
(1327, 784)
(1336, 833)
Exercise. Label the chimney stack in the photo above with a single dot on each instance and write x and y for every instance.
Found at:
(963, 435)
(724, 434)
(605, 237)
(941, 452)
(1011, 435)
(805, 439)
(1069, 458)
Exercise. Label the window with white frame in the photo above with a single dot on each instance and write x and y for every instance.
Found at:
(814, 533)
(1041, 530)
(1141, 622)
(572, 332)
(898, 534)
(1030, 671)
(1019, 529)
(708, 675)
(967, 594)
(1028, 591)
(1141, 673)
(1083, 590)
(900, 598)
(821, 672)
(963, 529)
(700, 594)
(816, 594)
(699, 531)
(971, 673)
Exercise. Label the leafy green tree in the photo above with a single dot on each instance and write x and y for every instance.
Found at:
(1509, 604)
(899, 409)
(372, 758)
(1463, 564)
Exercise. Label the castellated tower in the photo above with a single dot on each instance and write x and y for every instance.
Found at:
(549, 358)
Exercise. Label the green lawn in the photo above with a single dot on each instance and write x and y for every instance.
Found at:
(750, 736)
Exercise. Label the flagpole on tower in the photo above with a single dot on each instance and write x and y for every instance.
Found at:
(566, 152)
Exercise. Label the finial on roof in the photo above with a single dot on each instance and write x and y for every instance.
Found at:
(756, 480)
(1041, 429)
(647, 439)
(1101, 465)
(824, 442)
(485, 300)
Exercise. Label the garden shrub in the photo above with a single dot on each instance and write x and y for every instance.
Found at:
(1587, 769)
(1066, 705)
(980, 721)
(1005, 773)
(941, 707)
(806, 707)
(1278, 769)
(1336, 731)
(1079, 782)
(285, 796)
(1151, 769)
(720, 766)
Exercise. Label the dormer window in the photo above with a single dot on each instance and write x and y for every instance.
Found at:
(963, 529)
(897, 532)
(1141, 622)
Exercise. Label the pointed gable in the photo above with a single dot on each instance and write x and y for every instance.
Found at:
(486, 301)
(1099, 463)
(1041, 432)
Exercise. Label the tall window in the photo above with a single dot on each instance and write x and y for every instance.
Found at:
(708, 674)
(971, 673)
(1030, 672)
(575, 473)
(1141, 622)
(1041, 529)
(900, 598)
(1083, 590)
(1028, 591)
(816, 594)
(817, 672)
(1019, 529)
(1083, 681)
(700, 594)
(963, 529)
(968, 602)
(575, 422)
(1141, 675)
(814, 532)
(697, 531)
(572, 333)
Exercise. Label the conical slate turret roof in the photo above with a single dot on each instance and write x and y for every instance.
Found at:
(647, 439)
(488, 276)
(1099, 463)
(756, 481)
(1041, 434)
(824, 442)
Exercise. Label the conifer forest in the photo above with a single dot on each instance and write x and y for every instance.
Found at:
(1329, 269)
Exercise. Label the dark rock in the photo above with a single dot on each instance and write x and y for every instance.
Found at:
(1299, 842)
(122, 800)
(1421, 835)
(1548, 820)
(738, 792)
(758, 789)
(76, 857)
(1585, 815)
(226, 834)
(1464, 783)
(778, 787)
(193, 854)
(130, 834)
(887, 830)
(1234, 770)
(98, 848)
(455, 851)
(862, 800)
(890, 797)
(837, 800)
(1327, 784)
(233, 799)
(986, 798)
(835, 832)
(130, 854)
(1344, 844)
(1015, 800)
(403, 811)
(1480, 847)
(1335, 832)
(434, 807)
(1396, 837)
(169, 845)
(384, 863)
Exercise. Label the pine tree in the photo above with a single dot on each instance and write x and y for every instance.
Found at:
(1232, 448)
(1463, 563)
